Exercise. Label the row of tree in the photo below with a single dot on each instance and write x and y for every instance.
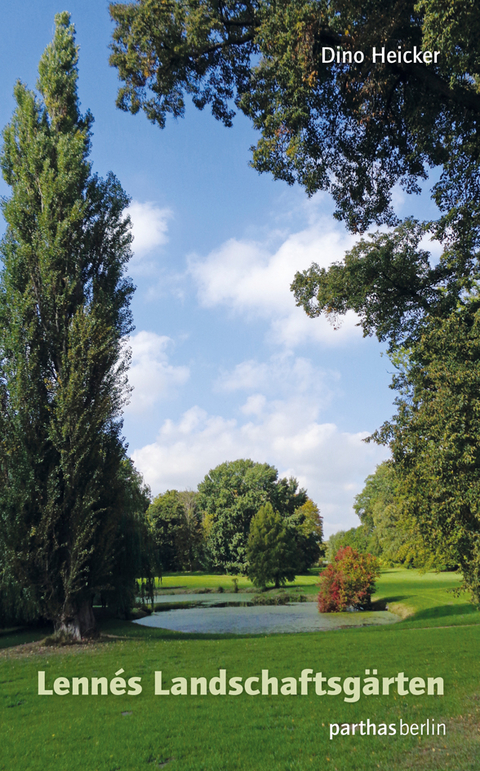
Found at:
(387, 529)
(215, 527)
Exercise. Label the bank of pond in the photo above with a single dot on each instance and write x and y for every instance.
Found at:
(206, 604)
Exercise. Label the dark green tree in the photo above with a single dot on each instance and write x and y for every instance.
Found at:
(191, 537)
(435, 440)
(355, 128)
(64, 312)
(390, 282)
(175, 524)
(272, 553)
(229, 496)
(306, 527)
(135, 554)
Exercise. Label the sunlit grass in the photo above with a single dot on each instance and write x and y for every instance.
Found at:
(266, 732)
(190, 582)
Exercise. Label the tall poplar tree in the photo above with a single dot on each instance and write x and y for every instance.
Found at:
(64, 310)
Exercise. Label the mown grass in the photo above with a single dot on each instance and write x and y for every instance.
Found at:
(194, 582)
(440, 637)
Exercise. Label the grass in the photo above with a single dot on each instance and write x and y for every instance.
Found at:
(194, 582)
(439, 636)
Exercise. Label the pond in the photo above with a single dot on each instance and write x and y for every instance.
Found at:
(270, 619)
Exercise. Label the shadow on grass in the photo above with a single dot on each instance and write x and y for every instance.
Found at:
(126, 629)
(443, 611)
(109, 630)
(167, 589)
(398, 598)
(9, 638)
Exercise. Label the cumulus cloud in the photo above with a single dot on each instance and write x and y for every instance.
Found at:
(251, 279)
(331, 464)
(282, 375)
(247, 375)
(149, 227)
(152, 376)
(254, 405)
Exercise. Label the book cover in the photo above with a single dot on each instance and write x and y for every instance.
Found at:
(201, 317)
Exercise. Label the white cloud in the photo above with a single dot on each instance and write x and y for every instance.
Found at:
(149, 227)
(254, 405)
(245, 376)
(281, 376)
(331, 464)
(251, 279)
(152, 376)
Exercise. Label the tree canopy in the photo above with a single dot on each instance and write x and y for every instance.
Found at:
(175, 524)
(388, 529)
(435, 440)
(306, 529)
(355, 126)
(272, 553)
(64, 311)
(229, 497)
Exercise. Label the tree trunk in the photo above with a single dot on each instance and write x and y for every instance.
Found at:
(79, 626)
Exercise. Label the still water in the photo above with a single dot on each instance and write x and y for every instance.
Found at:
(275, 619)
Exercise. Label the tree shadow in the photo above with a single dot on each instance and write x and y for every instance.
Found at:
(381, 603)
(398, 598)
(444, 611)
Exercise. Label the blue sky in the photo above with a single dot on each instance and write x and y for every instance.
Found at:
(224, 365)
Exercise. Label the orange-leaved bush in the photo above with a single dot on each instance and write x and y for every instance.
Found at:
(348, 581)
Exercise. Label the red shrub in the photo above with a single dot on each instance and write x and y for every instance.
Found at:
(349, 581)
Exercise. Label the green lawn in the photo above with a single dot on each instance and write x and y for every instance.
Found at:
(193, 582)
(440, 637)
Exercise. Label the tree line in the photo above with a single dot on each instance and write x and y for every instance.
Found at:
(386, 530)
(242, 520)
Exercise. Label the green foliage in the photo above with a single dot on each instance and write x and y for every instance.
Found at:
(355, 129)
(379, 508)
(389, 282)
(358, 538)
(348, 581)
(434, 440)
(306, 526)
(272, 553)
(393, 534)
(135, 553)
(175, 525)
(17, 604)
(388, 531)
(229, 496)
(420, 309)
(64, 311)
